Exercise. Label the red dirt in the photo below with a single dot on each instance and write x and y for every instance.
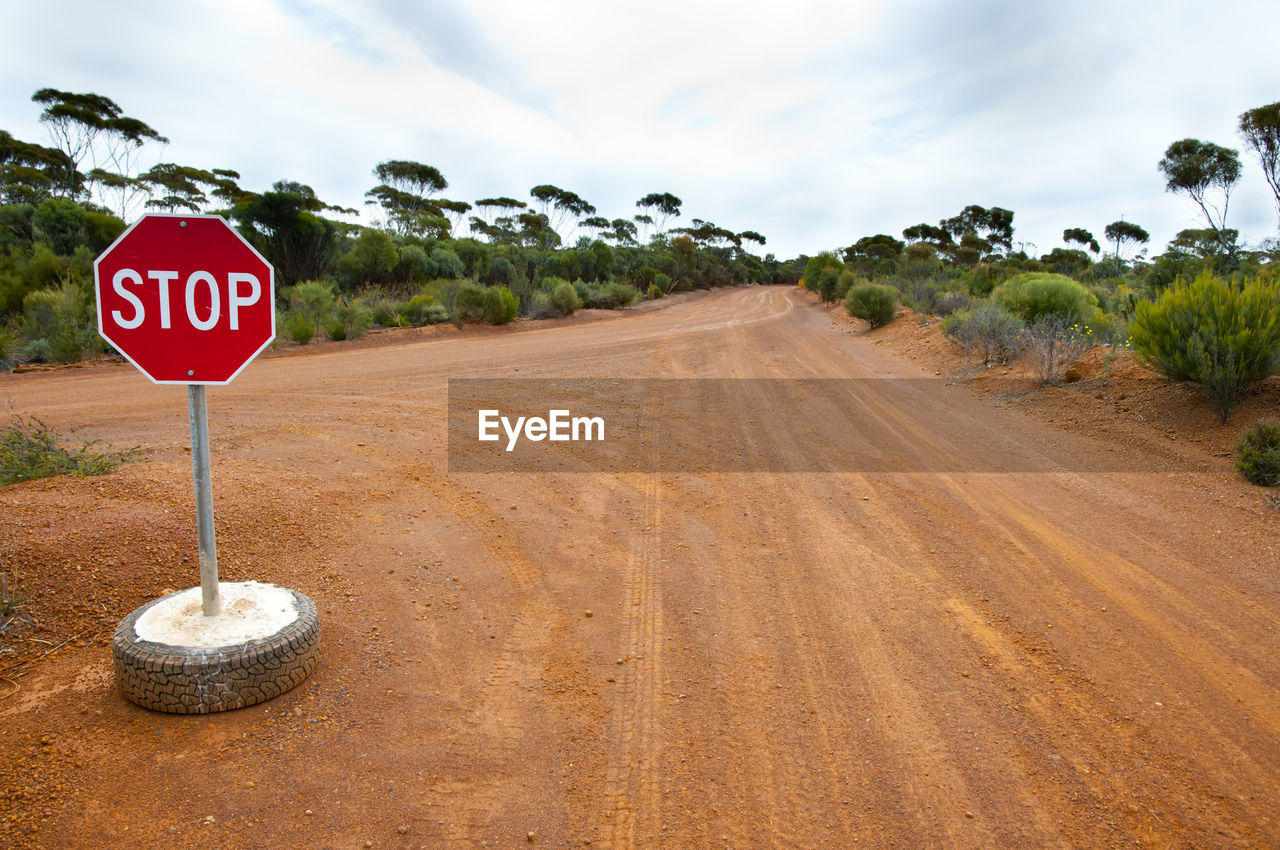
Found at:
(803, 659)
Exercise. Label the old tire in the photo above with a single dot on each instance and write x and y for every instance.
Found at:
(197, 680)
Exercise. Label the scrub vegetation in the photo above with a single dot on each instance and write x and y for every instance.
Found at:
(428, 258)
(1203, 310)
(29, 449)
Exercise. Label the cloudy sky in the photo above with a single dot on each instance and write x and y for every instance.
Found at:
(811, 122)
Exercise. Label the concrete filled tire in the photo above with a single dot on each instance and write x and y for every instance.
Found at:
(205, 679)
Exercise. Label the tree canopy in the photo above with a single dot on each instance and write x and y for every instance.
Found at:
(1260, 129)
(1195, 168)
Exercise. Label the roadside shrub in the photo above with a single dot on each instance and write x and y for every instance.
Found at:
(413, 265)
(822, 275)
(385, 311)
(1258, 454)
(653, 292)
(468, 303)
(500, 305)
(372, 259)
(584, 291)
(872, 302)
(540, 306)
(663, 282)
(447, 263)
(919, 294)
(314, 299)
(301, 329)
(1035, 294)
(845, 281)
(8, 349)
(1052, 344)
(59, 325)
(979, 280)
(565, 298)
(423, 309)
(950, 302)
(988, 330)
(31, 449)
(61, 223)
(1221, 335)
(613, 296)
(350, 320)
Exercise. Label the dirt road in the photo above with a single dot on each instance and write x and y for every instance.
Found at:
(791, 659)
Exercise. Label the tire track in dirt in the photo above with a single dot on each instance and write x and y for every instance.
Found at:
(1047, 709)
(636, 745)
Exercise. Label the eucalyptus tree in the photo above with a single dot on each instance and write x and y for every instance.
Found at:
(1203, 171)
(989, 228)
(404, 194)
(1260, 129)
(1080, 236)
(29, 172)
(286, 225)
(493, 208)
(1125, 234)
(454, 212)
(922, 232)
(661, 207)
(561, 207)
(644, 224)
(622, 231)
(91, 127)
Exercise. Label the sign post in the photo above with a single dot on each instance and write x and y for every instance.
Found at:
(210, 598)
(188, 301)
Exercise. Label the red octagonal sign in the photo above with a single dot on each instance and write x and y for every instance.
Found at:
(185, 298)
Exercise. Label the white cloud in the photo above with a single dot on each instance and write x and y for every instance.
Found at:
(813, 122)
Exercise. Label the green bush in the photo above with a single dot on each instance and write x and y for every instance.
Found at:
(875, 303)
(1221, 335)
(385, 311)
(30, 450)
(988, 330)
(654, 291)
(447, 263)
(314, 299)
(565, 298)
(1035, 294)
(584, 291)
(61, 223)
(540, 306)
(1258, 454)
(613, 296)
(845, 281)
(8, 348)
(950, 302)
(350, 320)
(301, 329)
(423, 309)
(500, 305)
(979, 281)
(663, 282)
(469, 303)
(59, 324)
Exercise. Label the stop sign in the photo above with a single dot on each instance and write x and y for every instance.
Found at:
(185, 298)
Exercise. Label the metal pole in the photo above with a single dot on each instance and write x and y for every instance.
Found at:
(211, 599)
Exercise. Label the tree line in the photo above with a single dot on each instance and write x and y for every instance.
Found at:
(62, 203)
